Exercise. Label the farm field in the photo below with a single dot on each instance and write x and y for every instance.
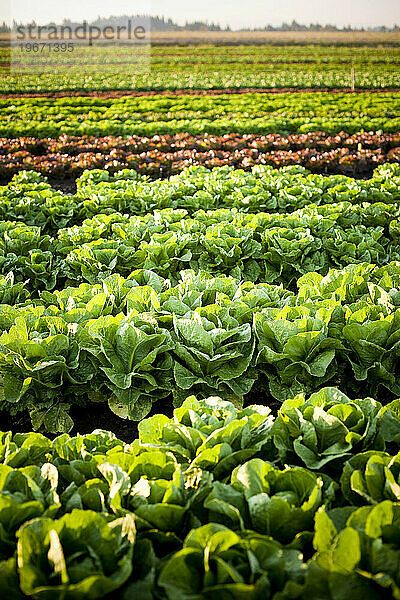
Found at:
(200, 325)
(208, 67)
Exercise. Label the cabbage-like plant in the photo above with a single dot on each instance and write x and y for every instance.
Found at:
(326, 428)
(210, 434)
(132, 354)
(295, 348)
(77, 458)
(371, 477)
(25, 493)
(213, 351)
(151, 485)
(357, 550)
(231, 249)
(216, 563)
(23, 449)
(39, 354)
(82, 555)
(281, 503)
(11, 292)
(373, 336)
(288, 253)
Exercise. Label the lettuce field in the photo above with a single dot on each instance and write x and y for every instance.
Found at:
(211, 67)
(200, 328)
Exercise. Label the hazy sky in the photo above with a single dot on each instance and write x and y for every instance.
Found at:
(236, 13)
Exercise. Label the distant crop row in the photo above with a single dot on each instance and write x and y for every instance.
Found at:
(244, 113)
(74, 145)
(165, 155)
(172, 56)
(188, 75)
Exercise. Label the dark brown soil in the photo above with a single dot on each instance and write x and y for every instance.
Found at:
(66, 186)
(209, 92)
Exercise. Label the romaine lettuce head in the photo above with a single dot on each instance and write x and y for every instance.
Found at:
(82, 555)
(213, 352)
(217, 563)
(295, 348)
(357, 552)
(151, 486)
(25, 493)
(132, 353)
(326, 428)
(77, 458)
(22, 449)
(281, 503)
(11, 292)
(371, 477)
(210, 434)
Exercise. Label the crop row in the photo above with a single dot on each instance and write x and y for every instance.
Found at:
(131, 342)
(165, 155)
(29, 199)
(170, 56)
(159, 164)
(241, 113)
(212, 54)
(263, 247)
(216, 500)
(230, 142)
(223, 76)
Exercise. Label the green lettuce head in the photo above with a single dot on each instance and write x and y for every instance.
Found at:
(326, 428)
(281, 504)
(219, 564)
(81, 556)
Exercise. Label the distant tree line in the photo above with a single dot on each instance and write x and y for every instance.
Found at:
(162, 24)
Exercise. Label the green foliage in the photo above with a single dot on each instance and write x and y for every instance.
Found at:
(216, 283)
(357, 550)
(326, 427)
(205, 505)
(371, 477)
(218, 563)
(29, 200)
(244, 113)
(81, 555)
(131, 342)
